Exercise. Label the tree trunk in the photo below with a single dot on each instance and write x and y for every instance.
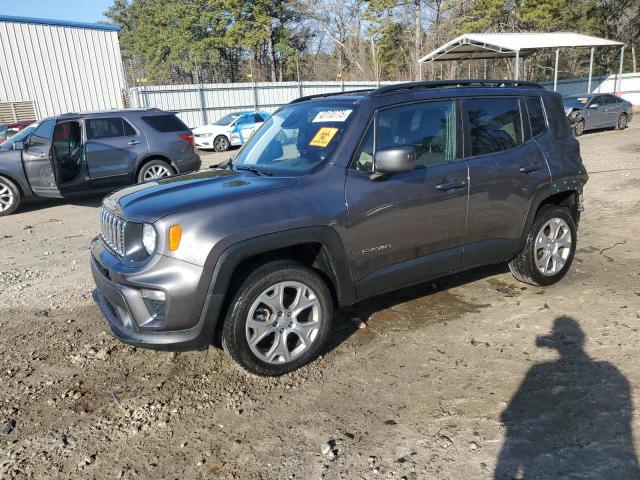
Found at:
(272, 56)
(418, 39)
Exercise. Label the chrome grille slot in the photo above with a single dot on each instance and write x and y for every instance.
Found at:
(112, 231)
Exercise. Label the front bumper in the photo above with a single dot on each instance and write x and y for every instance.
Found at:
(177, 323)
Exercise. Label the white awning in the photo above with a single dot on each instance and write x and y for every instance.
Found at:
(500, 45)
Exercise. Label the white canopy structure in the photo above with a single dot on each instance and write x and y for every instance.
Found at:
(474, 46)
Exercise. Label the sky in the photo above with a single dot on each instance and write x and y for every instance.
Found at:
(75, 10)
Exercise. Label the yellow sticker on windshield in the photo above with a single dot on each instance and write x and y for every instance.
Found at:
(323, 137)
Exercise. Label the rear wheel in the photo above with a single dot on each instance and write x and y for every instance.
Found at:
(279, 319)
(154, 170)
(622, 122)
(549, 249)
(9, 197)
(221, 143)
(578, 128)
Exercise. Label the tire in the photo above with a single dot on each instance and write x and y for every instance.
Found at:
(10, 197)
(529, 265)
(154, 170)
(221, 143)
(621, 124)
(264, 325)
(578, 128)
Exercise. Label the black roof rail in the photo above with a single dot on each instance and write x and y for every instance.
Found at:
(399, 87)
(330, 94)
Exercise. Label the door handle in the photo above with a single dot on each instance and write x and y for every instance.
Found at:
(133, 142)
(531, 168)
(450, 185)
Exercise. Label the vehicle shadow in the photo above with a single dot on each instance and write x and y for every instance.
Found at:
(346, 320)
(33, 204)
(570, 418)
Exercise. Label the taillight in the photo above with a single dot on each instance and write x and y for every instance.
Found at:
(189, 138)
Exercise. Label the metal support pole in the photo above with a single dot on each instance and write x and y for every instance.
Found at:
(485, 68)
(619, 86)
(203, 106)
(555, 71)
(633, 56)
(590, 70)
(457, 69)
(517, 66)
(255, 94)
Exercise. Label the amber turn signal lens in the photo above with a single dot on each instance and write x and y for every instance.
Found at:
(175, 235)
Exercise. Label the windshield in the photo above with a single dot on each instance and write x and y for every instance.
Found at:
(296, 139)
(227, 119)
(20, 136)
(575, 102)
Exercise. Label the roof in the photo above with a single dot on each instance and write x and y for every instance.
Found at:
(501, 45)
(58, 23)
(404, 87)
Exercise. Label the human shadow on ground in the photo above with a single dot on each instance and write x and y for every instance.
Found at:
(571, 418)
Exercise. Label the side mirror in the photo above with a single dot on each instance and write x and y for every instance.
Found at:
(594, 105)
(18, 145)
(394, 160)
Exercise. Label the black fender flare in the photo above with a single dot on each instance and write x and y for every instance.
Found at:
(228, 261)
(538, 200)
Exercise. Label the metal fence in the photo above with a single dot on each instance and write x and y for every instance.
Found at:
(204, 103)
(200, 104)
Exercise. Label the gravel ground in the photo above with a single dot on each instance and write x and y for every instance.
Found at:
(474, 376)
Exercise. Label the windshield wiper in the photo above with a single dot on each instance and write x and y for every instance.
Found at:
(255, 170)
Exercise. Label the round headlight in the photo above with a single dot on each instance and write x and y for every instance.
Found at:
(149, 237)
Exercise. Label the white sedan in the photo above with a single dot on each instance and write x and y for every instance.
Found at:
(231, 130)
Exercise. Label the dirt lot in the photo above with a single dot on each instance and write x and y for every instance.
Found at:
(462, 378)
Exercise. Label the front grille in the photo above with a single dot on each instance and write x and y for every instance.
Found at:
(112, 231)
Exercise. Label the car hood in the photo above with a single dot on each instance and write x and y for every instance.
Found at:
(150, 201)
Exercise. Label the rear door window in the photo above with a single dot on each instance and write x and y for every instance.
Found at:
(98, 128)
(493, 124)
(536, 115)
(165, 123)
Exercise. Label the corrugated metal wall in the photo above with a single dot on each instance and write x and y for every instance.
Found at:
(629, 86)
(201, 104)
(62, 68)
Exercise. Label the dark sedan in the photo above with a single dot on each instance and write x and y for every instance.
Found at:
(601, 110)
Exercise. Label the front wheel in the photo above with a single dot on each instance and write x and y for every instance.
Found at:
(279, 319)
(621, 124)
(221, 143)
(549, 248)
(9, 197)
(578, 128)
(154, 170)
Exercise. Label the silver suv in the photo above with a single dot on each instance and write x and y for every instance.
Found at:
(80, 153)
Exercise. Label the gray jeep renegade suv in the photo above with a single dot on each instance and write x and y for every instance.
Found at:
(334, 199)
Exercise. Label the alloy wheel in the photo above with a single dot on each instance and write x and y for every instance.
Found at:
(622, 122)
(6, 197)
(156, 171)
(220, 143)
(553, 246)
(579, 128)
(283, 322)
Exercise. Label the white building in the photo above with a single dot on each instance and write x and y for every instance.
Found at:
(58, 67)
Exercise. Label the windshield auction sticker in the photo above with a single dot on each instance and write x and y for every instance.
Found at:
(332, 116)
(323, 137)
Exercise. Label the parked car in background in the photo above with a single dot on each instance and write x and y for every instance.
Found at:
(78, 153)
(337, 198)
(601, 110)
(8, 130)
(231, 130)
